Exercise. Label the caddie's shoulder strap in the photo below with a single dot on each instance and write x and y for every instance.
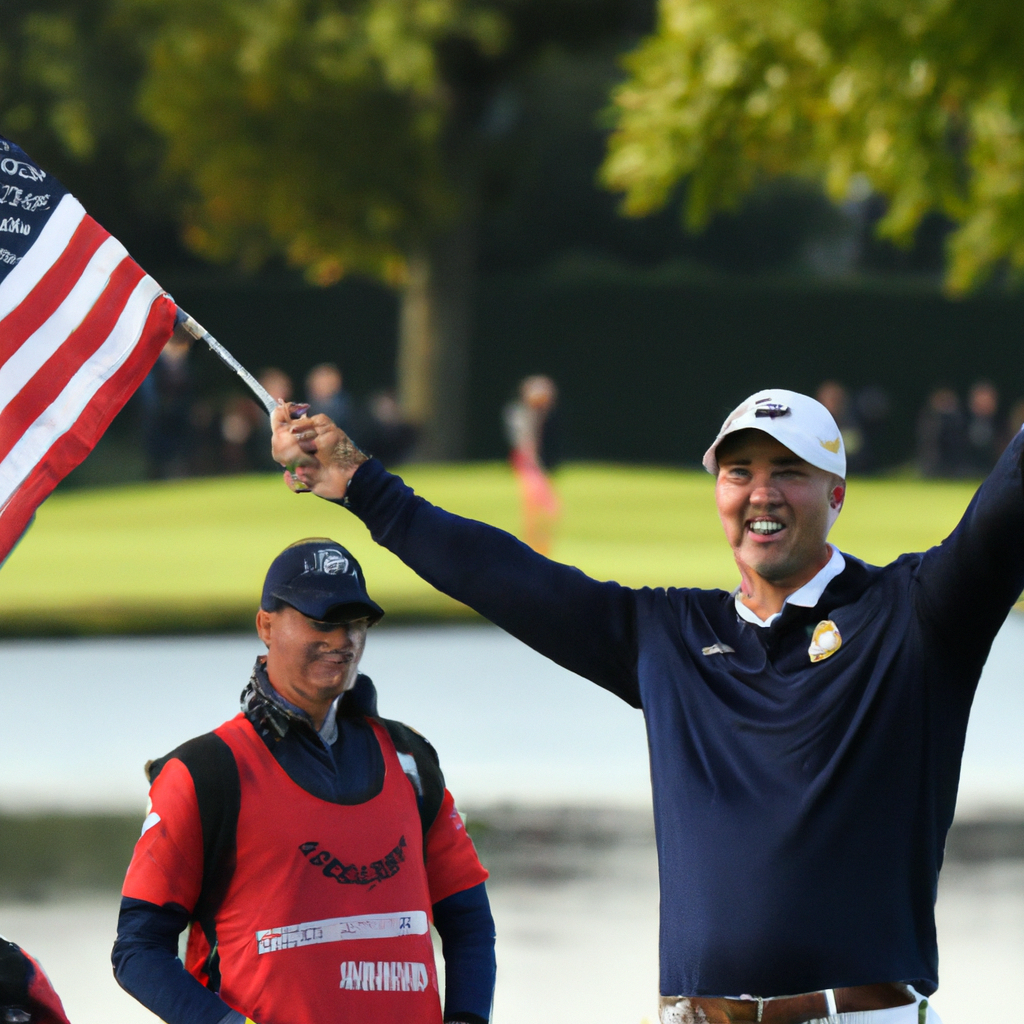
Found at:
(214, 772)
(424, 770)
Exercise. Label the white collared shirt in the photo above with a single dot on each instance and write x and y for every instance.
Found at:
(806, 597)
(328, 732)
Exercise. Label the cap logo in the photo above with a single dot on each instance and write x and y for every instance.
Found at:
(771, 410)
(329, 561)
(831, 446)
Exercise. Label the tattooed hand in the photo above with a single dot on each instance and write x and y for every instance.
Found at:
(316, 453)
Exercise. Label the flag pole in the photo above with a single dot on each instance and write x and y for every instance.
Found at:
(200, 333)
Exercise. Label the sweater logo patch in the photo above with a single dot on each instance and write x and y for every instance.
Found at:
(717, 649)
(825, 641)
(355, 874)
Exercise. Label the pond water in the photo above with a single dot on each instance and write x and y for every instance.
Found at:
(83, 716)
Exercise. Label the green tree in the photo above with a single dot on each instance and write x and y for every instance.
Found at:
(351, 136)
(919, 100)
(69, 73)
(315, 129)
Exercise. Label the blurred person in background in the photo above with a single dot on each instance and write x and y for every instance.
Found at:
(389, 435)
(166, 397)
(325, 393)
(872, 404)
(531, 432)
(206, 441)
(1014, 421)
(278, 385)
(942, 436)
(983, 433)
(836, 399)
(245, 426)
(239, 424)
(859, 419)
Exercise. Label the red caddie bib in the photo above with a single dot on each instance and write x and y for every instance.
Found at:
(326, 918)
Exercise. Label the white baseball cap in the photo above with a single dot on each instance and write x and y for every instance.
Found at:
(802, 424)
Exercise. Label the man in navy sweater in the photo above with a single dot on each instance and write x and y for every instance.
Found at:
(805, 730)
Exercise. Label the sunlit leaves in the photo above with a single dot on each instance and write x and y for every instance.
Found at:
(921, 99)
(51, 88)
(312, 128)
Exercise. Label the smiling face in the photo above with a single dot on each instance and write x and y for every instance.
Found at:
(775, 508)
(310, 662)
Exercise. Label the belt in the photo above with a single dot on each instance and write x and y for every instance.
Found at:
(783, 1009)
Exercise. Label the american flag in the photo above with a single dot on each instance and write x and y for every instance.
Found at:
(81, 324)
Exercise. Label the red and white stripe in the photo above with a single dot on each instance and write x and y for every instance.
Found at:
(81, 325)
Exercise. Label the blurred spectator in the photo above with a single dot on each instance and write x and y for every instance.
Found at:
(983, 440)
(836, 399)
(245, 426)
(525, 423)
(204, 424)
(1014, 421)
(279, 385)
(388, 434)
(872, 405)
(858, 420)
(166, 396)
(239, 422)
(942, 436)
(325, 393)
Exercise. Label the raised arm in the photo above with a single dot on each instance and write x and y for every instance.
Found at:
(972, 579)
(586, 626)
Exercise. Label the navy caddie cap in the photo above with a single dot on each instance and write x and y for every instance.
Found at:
(321, 579)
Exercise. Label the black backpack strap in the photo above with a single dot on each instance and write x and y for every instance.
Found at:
(427, 780)
(15, 974)
(214, 772)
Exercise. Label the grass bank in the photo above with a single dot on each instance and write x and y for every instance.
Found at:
(189, 556)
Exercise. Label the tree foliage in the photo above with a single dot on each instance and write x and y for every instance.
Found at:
(308, 127)
(352, 135)
(46, 90)
(919, 100)
(342, 133)
(69, 72)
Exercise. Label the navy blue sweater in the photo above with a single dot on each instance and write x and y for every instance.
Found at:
(801, 808)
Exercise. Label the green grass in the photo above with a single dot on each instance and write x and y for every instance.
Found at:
(191, 555)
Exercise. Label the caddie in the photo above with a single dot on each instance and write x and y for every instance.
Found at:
(805, 729)
(307, 843)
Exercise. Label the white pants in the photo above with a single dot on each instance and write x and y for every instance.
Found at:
(909, 1014)
(912, 1013)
